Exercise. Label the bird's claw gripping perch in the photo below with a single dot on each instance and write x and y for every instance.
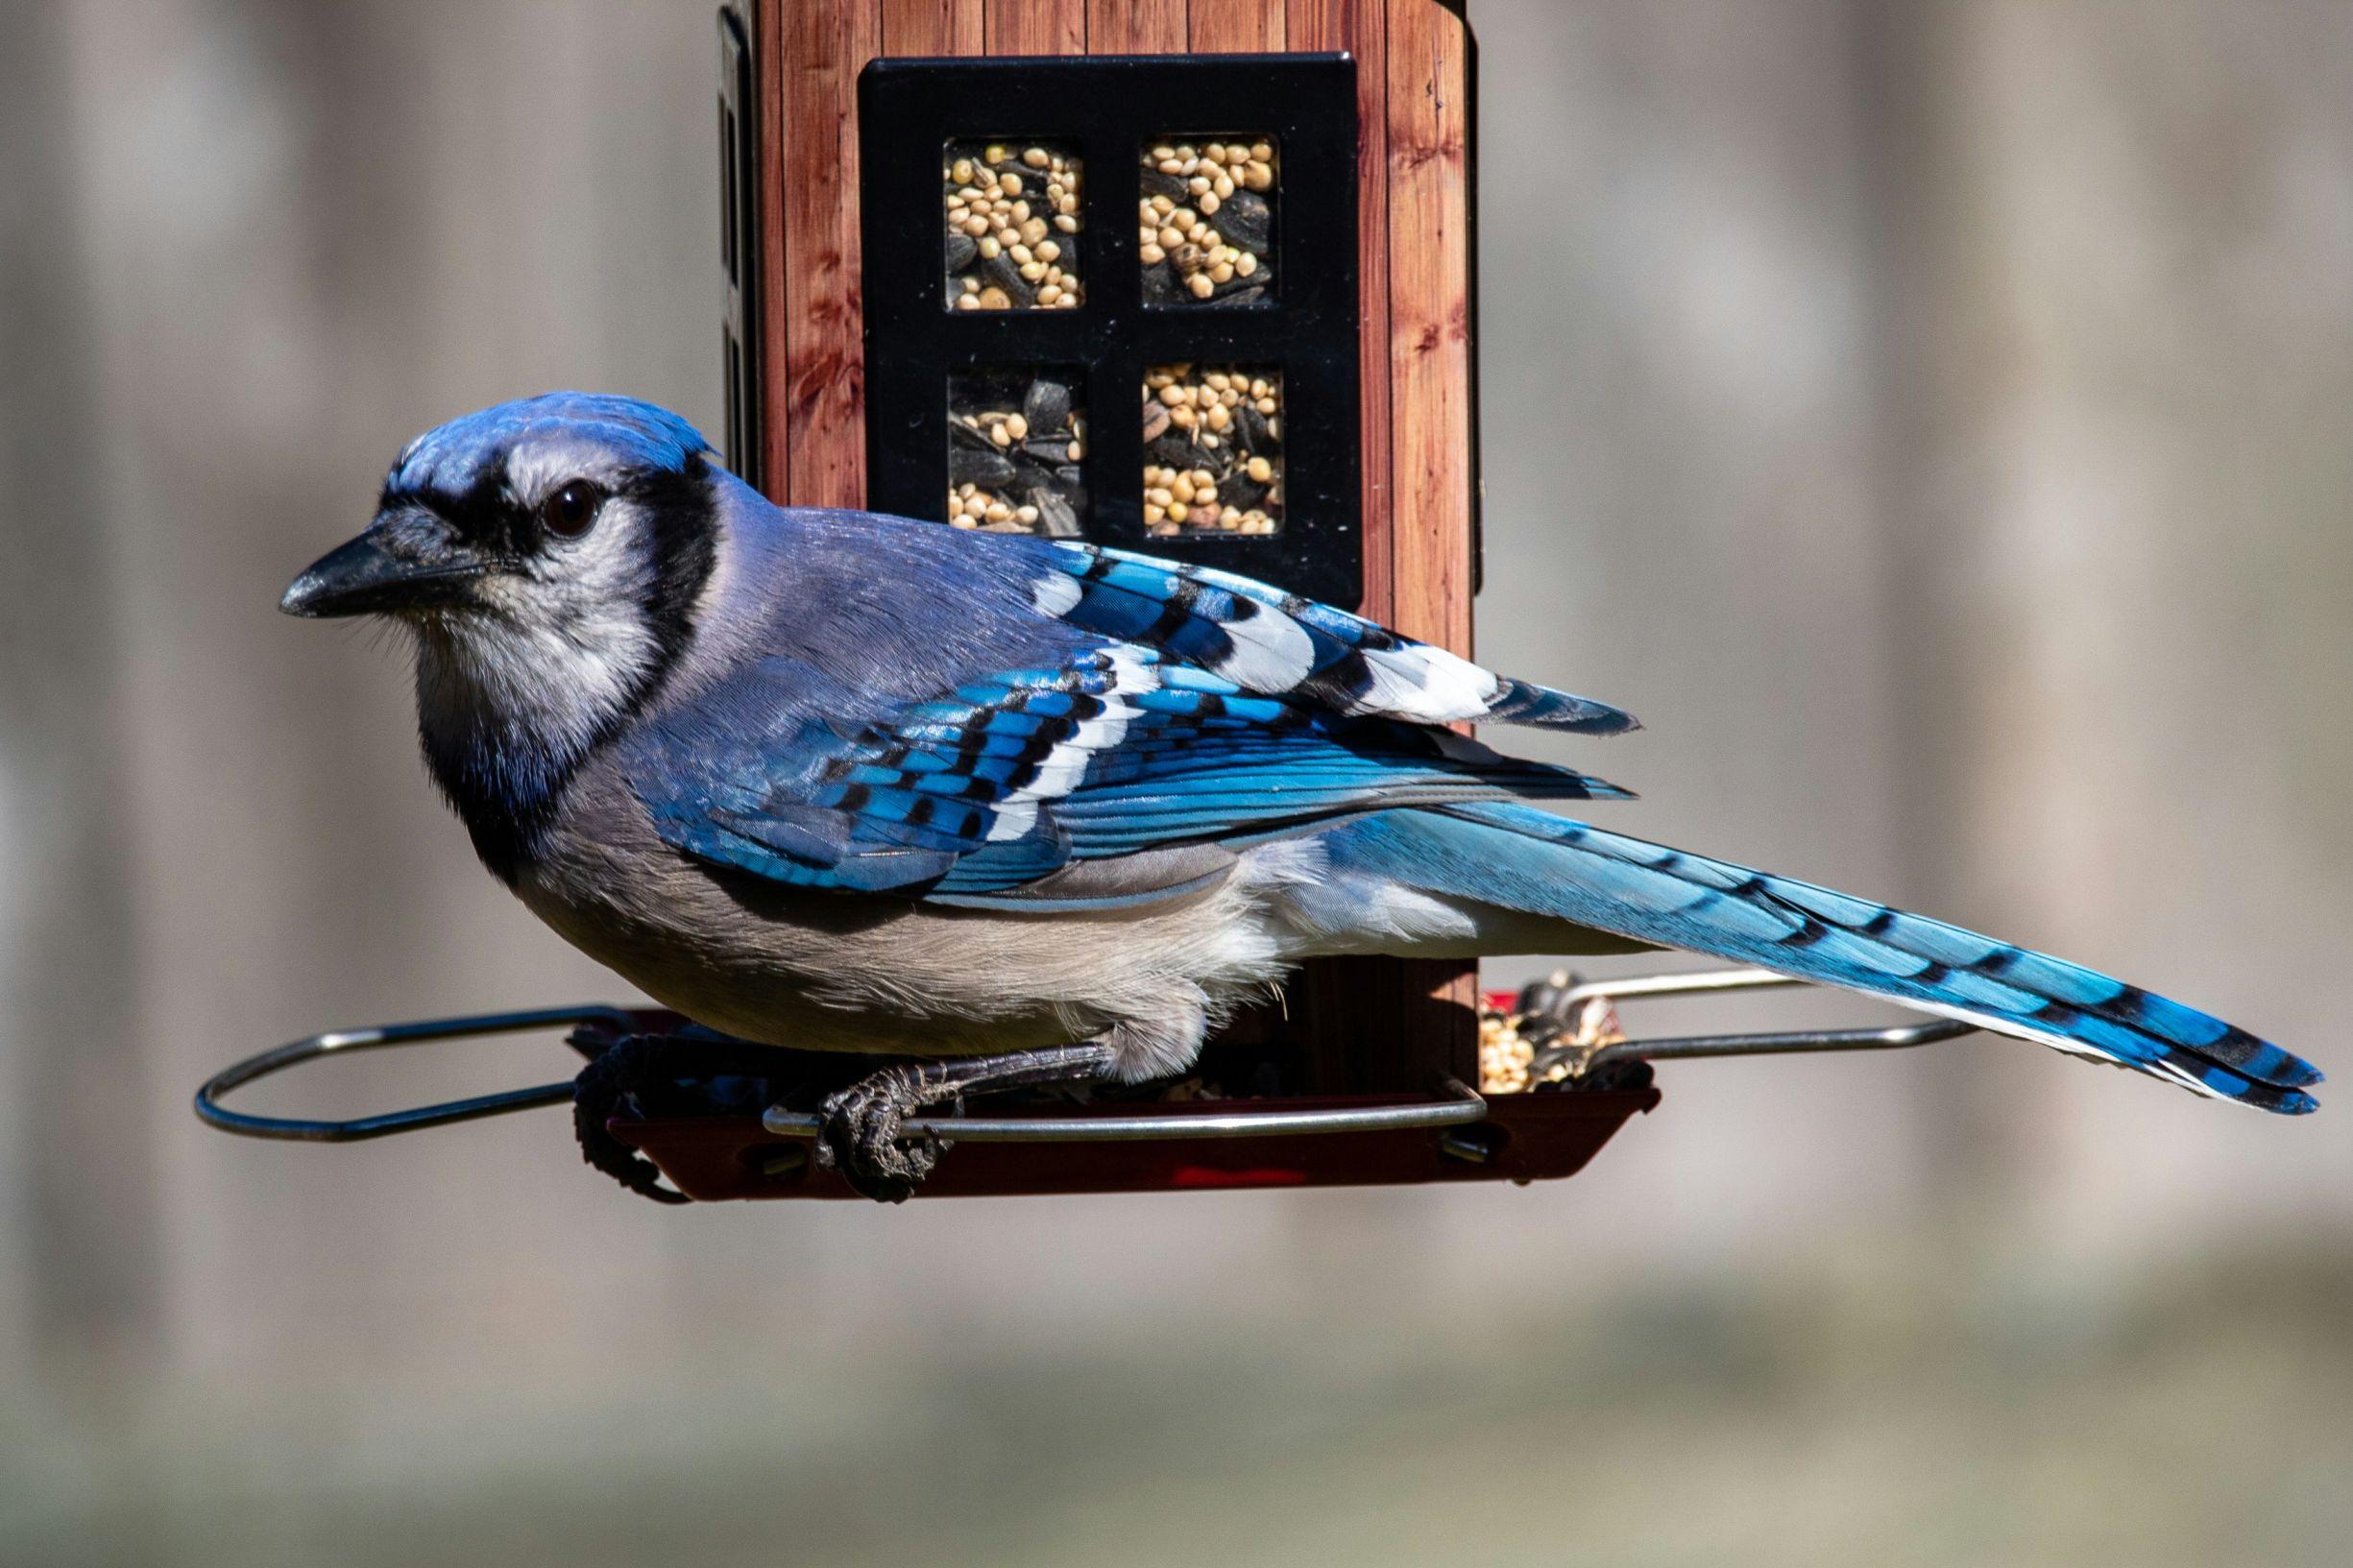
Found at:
(603, 1088)
(861, 1136)
(861, 1124)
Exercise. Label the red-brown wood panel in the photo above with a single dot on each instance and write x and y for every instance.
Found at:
(1429, 321)
(1429, 332)
(1379, 1023)
(1237, 26)
(1036, 27)
(1135, 27)
(825, 44)
(932, 27)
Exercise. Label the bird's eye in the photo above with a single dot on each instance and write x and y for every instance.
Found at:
(572, 511)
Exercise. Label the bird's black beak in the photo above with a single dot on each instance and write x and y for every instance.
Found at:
(402, 563)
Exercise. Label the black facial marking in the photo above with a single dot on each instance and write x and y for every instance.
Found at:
(482, 515)
(686, 546)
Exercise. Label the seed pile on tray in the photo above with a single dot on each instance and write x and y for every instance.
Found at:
(1213, 444)
(1505, 1054)
(1205, 225)
(1508, 1040)
(1013, 219)
(1014, 444)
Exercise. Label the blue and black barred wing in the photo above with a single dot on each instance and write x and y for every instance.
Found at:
(1515, 857)
(1277, 644)
(980, 794)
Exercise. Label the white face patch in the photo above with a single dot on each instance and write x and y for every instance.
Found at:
(544, 465)
(560, 644)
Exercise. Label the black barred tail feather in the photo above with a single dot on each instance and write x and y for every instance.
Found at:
(1515, 857)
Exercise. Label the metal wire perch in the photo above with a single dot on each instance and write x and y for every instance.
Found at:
(722, 1104)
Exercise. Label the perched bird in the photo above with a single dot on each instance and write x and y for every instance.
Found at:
(847, 783)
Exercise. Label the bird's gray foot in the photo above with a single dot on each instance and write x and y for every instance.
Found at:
(864, 1124)
(861, 1135)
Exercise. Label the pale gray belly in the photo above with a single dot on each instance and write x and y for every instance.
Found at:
(832, 972)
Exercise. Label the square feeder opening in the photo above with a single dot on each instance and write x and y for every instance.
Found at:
(1213, 450)
(1014, 211)
(1205, 220)
(1017, 440)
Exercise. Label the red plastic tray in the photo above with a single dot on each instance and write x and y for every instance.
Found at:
(1527, 1137)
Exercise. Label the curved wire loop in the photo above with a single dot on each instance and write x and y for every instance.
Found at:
(383, 1036)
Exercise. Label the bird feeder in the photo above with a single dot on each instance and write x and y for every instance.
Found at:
(1189, 276)
(940, 307)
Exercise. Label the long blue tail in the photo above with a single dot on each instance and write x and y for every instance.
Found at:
(1515, 857)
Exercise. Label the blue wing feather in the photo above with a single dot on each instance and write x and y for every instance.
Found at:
(1076, 704)
(1278, 643)
(1011, 775)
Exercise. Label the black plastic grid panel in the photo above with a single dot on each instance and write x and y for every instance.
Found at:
(1111, 107)
(740, 245)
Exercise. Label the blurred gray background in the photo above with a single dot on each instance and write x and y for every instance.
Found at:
(1935, 420)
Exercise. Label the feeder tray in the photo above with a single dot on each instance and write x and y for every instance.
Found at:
(721, 1118)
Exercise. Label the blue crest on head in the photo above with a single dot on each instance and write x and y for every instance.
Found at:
(454, 456)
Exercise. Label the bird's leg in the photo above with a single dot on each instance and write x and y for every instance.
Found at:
(861, 1130)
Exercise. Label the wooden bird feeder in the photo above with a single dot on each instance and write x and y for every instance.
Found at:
(1191, 277)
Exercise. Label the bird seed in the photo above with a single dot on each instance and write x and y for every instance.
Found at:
(1015, 442)
(1213, 441)
(1205, 221)
(1012, 209)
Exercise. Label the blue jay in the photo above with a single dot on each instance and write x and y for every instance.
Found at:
(845, 782)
